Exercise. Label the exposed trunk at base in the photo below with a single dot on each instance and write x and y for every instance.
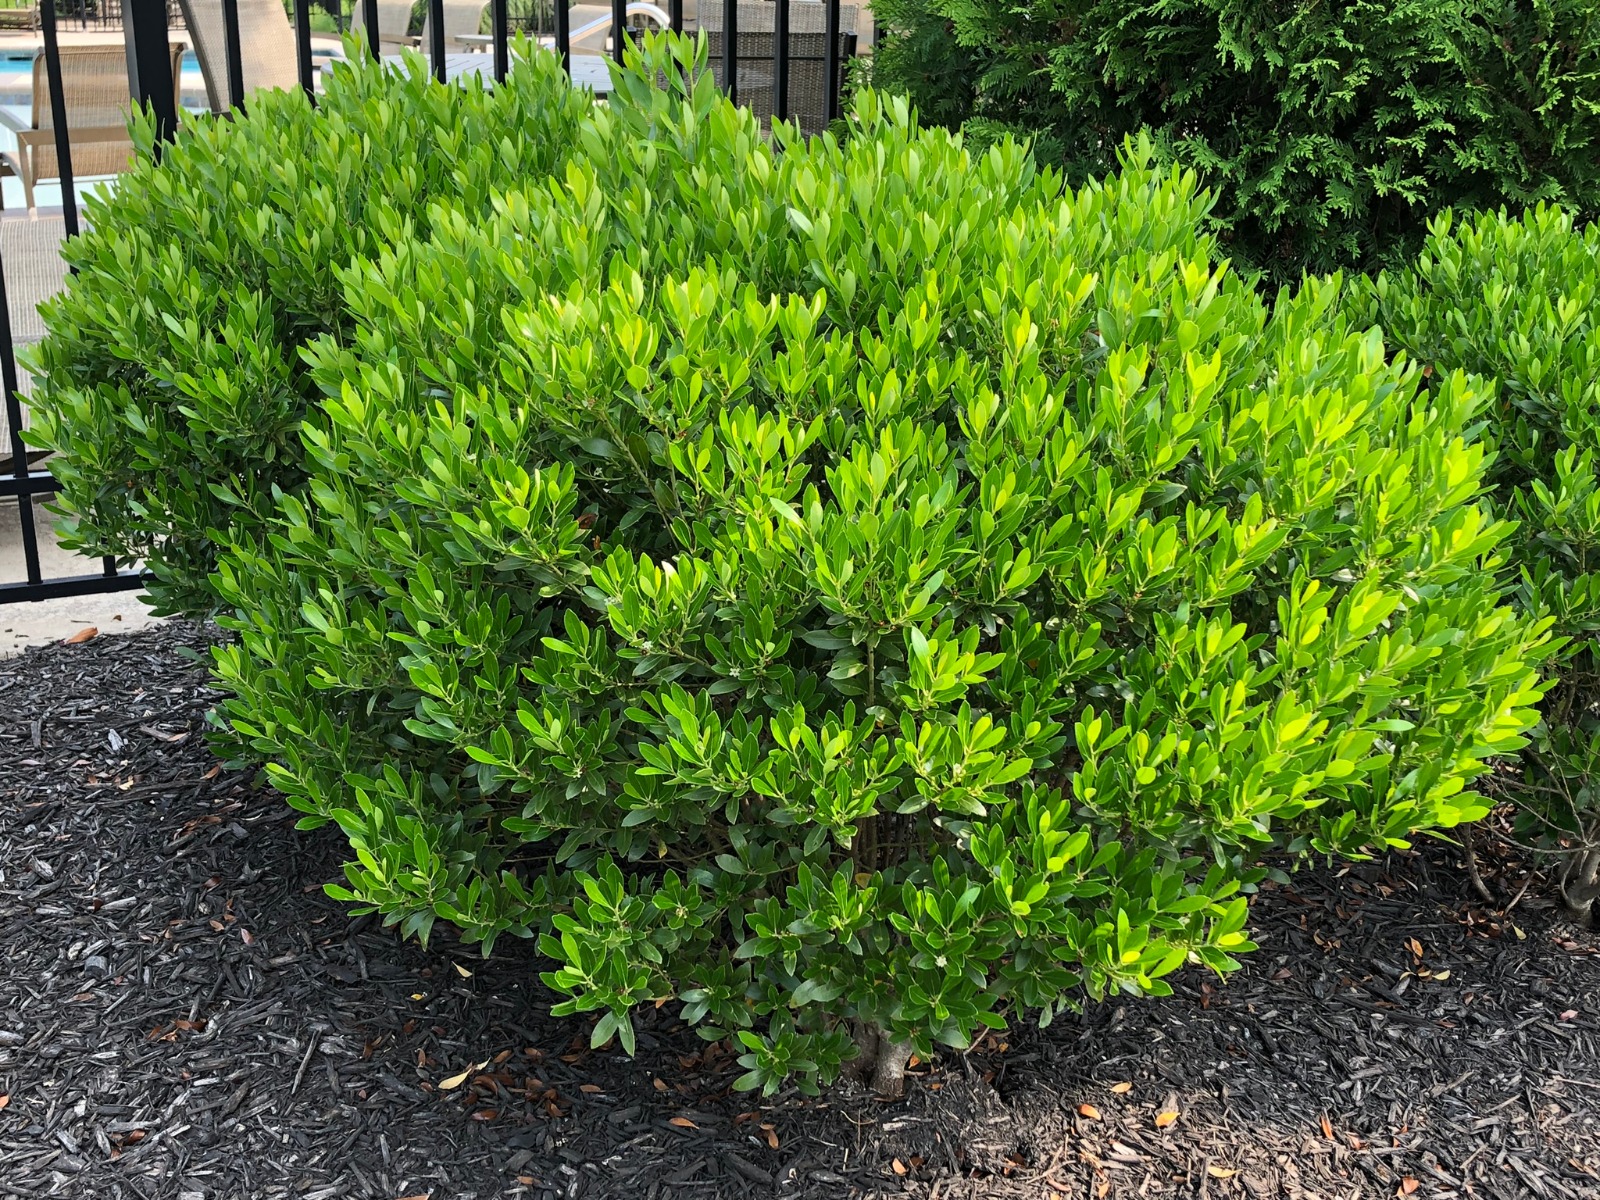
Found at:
(889, 1076)
(1580, 887)
(865, 1037)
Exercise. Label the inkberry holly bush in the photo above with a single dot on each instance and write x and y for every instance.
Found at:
(1513, 298)
(860, 588)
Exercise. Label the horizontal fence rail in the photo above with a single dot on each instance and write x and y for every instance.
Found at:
(786, 59)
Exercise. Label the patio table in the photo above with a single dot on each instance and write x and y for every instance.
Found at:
(588, 70)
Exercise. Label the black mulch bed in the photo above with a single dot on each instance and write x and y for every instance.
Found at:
(183, 1013)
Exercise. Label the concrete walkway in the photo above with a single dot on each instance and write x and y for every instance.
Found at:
(29, 252)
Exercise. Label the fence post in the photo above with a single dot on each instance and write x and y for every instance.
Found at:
(150, 81)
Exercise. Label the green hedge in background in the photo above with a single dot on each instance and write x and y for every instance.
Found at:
(1330, 132)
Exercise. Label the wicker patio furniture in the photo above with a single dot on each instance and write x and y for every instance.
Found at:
(94, 83)
(394, 23)
(266, 43)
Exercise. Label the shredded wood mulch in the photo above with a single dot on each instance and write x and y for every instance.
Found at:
(184, 1013)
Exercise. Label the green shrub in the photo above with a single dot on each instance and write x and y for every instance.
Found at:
(1514, 299)
(171, 382)
(859, 587)
(1331, 132)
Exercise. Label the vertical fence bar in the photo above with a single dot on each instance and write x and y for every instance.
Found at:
(730, 49)
(675, 15)
(500, 31)
(619, 27)
(58, 115)
(830, 103)
(150, 81)
(564, 35)
(780, 56)
(234, 53)
(302, 46)
(19, 452)
(369, 18)
(436, 37)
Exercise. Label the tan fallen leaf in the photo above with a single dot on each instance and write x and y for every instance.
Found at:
(83, 635)
(456, 1081)
(1121, 1089)
(5, 1099)
(898, 1167)
(1217, 1172)
(1521, 937)
(465, 974)
(1407, 1186)
(592, 1089)
(659, 1086)
(1166, 1117)
(1327, 1127)
(683, 1123)
(1441, 975)
(772, 1136)
(1090, 1111)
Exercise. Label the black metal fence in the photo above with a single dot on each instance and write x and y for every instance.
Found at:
(782, 60)
(77, 15)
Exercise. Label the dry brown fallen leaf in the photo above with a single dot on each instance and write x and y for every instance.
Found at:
(1121, 1089)
(772, 1136)
(1327, 1127)
(683, 1123)
(1217, 1172)
(1166, 1117)
(5, 1099)
(1407, 1186)
(83, 635)
(465, 974)
(659, 1086)
(898, 1167)
(592, 1089)
(1090, 1111)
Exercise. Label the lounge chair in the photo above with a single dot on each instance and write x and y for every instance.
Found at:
(755, 82)
(462, 21)
(394, 23)
(266, 45)
(94, 83)
(590, 24)
(26, 19)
